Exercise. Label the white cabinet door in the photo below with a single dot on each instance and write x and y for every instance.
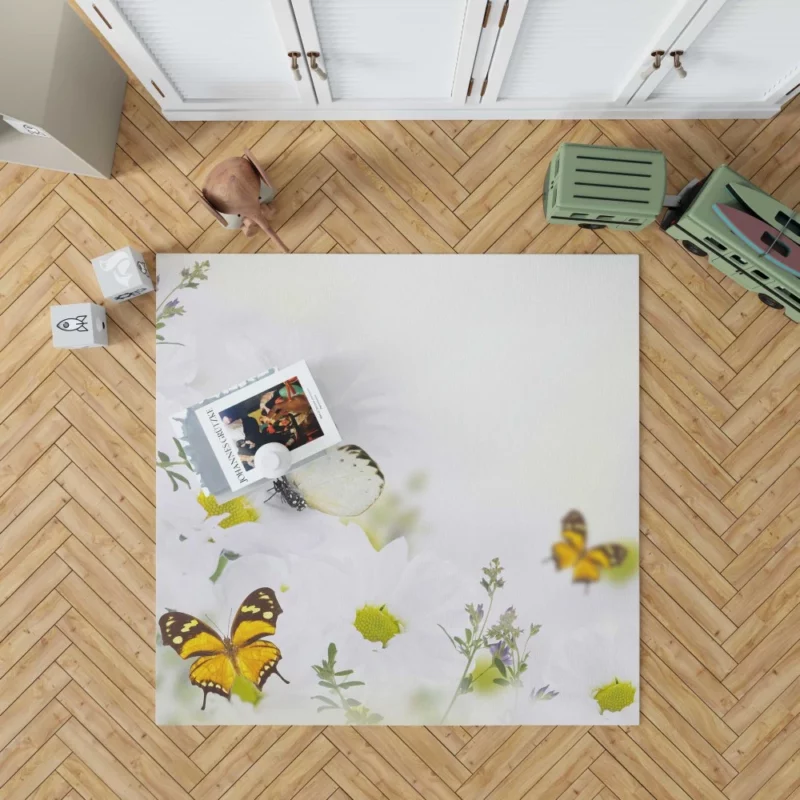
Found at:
(207, 55)
(735, 51)
(390, 53)
(561, 54)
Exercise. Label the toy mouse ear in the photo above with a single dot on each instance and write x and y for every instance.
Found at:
(257, 167)
(214, 213)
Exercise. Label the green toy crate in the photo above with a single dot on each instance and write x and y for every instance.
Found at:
(701, 231)
(605, 187)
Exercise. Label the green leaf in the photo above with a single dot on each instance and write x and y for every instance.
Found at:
(162, 457)
(468, 635)
(224, 557)
(159, 337)
(350, 684)
(373, 719)
(328, 685)
(352, 703)
(326, 700)
(181, 478)
(448, 636)
(246, 691)
(501, 682)
(179, 446)
(182, 538)
(465, 684)
(172, 479)
(326, 708)
(331, 653)
(160, 325)
(343, 673)
(500, 666)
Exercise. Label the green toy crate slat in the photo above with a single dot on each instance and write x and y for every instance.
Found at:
(617, 187)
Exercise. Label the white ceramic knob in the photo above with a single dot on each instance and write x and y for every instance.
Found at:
(272, 460)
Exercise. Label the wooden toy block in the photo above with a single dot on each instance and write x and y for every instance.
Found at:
(78, 325)
(122, 274)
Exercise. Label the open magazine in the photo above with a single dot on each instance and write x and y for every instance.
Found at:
(284, 406)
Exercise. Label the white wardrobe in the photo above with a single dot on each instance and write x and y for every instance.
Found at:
(329, 59)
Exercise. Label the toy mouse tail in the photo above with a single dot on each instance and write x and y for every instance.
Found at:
(270, 231)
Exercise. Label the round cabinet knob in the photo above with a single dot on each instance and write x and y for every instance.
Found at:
(272, 460)
(676, 60)
(295, 66)
(315, 68)
(658, 56)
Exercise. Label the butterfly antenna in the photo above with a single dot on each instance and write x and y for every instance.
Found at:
(213, 625)
(274, 492)
(281, 676)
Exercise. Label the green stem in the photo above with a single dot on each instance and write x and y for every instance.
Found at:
(179, 344)
(166, 464)
(161, 304)
(481, 674)
(473, 651)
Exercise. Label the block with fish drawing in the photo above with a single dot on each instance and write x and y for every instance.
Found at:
(122, 274)
(78, 325)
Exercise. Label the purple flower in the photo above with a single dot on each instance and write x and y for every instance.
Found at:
(173, 303)
(479, 612)
(502, 651)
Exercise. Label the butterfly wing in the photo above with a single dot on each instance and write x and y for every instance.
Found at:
(568, 552)
(343, 481)
(214, 673)
(188, 636)
(257, 661)
(588, 567)
(256, 617)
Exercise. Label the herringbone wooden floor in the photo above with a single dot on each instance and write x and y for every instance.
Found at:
(720, 547)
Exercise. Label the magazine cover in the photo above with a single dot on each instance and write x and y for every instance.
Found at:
(284, 407)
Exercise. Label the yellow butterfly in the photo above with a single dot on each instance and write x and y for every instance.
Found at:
(572, 552)
(220, 660)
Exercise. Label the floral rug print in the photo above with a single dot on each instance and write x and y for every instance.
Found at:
(467, 555)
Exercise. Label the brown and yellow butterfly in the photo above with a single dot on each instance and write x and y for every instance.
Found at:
(219, 659)
(571, 552)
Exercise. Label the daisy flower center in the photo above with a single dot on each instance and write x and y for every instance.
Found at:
(377, 624)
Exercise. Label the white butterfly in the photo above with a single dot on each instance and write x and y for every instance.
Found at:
(343, 481)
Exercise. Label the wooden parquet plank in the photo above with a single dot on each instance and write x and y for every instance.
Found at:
(120, 744)
(720, 511)
(35, 735)
(237, 762)
(686, 558)
(114, 629)
(437, 143)
(669, 729)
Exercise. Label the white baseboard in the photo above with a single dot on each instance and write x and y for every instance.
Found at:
(700, 111)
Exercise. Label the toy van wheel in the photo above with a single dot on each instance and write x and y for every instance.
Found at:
(693, 249)
(770, 301)
(591, 226)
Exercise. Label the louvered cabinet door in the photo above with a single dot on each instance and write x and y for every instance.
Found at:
(207, 55)
(736, 51)
(389, 54)
(557, 54)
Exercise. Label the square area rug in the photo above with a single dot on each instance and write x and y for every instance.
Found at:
(488, 409)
